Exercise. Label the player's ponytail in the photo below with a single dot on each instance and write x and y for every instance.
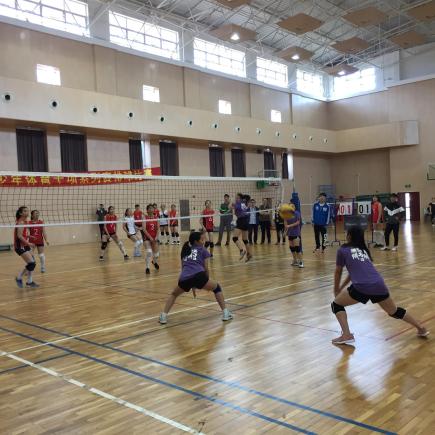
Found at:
(356, 235)
(194, 237)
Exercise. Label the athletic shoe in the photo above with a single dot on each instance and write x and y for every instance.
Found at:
(167, 243)
(423, 333)
(316, 251)
(157, 267)
(218, 244)
(341, 340)
(163, 318)
(227, 315)
(385, 248)
(301, 265)
(126, 257)
(248, 258)
(178, 242)
(101, 258)
(19, 282)
(295, 263)
(42, 269)
(242, 254)
(227, 244)
(32, 285)
(394, 248)
(137, 254)
(147, 271)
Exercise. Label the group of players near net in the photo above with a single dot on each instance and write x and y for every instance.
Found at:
(363, 283)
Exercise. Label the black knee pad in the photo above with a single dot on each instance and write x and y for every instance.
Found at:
(31, 266)
(162, 233)
(246, 242)
(337, 308)
(167, 233)
(399, 314)
(297, 249)
(211, 245)
(177, 235)
(103, 245)
(207, 244)
(172, 234)
(218, 289)
(235, 239)
(292, 248)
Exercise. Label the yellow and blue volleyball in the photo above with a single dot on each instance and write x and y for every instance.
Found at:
(287, 211)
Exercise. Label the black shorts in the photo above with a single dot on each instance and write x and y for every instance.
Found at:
(196, 281)
(363, 298)
(242, 223)
(291, 238)
(20, 250)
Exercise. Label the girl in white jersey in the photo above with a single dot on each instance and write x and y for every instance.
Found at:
(164, 224)
(130, 229)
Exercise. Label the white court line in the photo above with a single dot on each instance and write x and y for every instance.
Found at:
(103, 394)
(146, 319)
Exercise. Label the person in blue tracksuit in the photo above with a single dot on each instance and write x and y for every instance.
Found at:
(320, 220)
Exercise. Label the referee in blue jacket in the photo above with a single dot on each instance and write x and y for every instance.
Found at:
(320, 220)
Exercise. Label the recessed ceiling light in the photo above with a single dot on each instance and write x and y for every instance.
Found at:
(235, 37)
(342, 72)
(296, 57)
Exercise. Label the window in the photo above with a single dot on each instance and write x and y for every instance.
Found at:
(284, 166)
(225, 107)
(269, 164)
(68, 15)
(361, 81)
(47, 74)
(73, 152)
(168, 158)
(219, 58)
(309, 83)
(32, 150)
(275, 116)
(271, 72)
(151, 93)
(135, 151)
(140, 35)
(238, 162)
(216, 156)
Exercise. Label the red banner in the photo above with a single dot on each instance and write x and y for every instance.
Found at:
(61, 181)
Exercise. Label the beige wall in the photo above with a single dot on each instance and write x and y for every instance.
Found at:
(309, 113)
(263, 100)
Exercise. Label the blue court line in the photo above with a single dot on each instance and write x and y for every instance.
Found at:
(41, 361)
(235, 385)
(224, 403)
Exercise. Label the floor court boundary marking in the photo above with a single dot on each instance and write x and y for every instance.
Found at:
(103, 394)
(195, 394)
(234, 385)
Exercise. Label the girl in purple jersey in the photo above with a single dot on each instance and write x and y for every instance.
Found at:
(293, 228)
(241, 210)
(366, 285)
(194, 275)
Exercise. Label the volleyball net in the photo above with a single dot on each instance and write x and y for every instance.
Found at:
(64, 199)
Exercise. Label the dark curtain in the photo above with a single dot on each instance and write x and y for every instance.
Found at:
(216, 162)
(269, 161)
(168, 158)
(135, 148)
(32, 151)
(238, 163)
(73, 152)
(284, 169)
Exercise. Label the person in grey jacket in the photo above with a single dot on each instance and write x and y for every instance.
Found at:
(226, 218)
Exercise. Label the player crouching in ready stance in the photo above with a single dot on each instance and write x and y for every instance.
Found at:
(366, 285)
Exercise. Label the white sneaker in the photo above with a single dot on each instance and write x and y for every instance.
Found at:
(295, 263)
(42, 269)
(385, 248)
(394, 248)
(227, 315)
(301, 265)
(163, 319)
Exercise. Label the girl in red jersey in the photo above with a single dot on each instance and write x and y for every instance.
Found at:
(173, 223)
(156, 214)
(377, 215)
(151, 229)
(23, 248)
(130, 228)
(138, 218)
(110, 234)
(37, 236)
(207, 226)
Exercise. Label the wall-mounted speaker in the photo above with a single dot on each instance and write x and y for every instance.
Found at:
(54, 104)
(258, 131)
(130, 115)
(190, 123)
(7, 96)
(94, 110)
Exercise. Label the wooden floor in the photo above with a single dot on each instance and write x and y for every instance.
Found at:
(113, 369)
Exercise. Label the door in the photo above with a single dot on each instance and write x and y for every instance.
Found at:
(185, 212)
(410, 201)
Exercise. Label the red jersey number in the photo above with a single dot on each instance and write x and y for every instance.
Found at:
(35, 233)
(110, 225)
(208, 219)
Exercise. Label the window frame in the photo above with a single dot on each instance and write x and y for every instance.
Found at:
(268, 72)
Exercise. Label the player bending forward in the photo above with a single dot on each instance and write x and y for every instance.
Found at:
(194, 275)
(366, 285)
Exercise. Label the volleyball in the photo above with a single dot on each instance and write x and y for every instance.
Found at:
(287, 211)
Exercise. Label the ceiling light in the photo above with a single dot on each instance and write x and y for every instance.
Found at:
(296, 57)
(342, 72)
(235, 37)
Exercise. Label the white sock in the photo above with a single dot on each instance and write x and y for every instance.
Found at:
(148, 258)
(22, 273)
(121, 248)
(29, 277)
(156, 256)
(42, 260)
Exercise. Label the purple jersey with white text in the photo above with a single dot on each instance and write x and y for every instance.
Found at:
(296, 230)
(240, 209)
(194, 263)
(364, 276)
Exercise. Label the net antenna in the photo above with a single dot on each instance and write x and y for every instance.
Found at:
(72, 199)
